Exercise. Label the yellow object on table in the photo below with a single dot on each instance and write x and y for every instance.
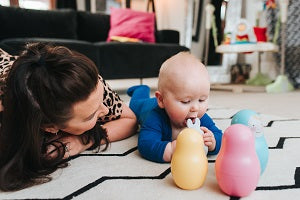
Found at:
(124, 39)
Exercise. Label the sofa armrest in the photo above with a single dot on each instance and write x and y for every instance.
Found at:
(167, 36)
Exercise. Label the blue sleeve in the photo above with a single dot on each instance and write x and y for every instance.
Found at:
(150, 143)
(210, 124)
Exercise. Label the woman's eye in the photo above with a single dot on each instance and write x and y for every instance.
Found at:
(201, 100)
(90, 118)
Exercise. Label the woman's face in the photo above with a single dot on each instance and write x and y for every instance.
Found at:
(85, 113)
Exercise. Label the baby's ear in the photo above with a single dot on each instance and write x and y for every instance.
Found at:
(160, 100)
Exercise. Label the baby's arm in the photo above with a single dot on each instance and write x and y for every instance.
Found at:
(169, 150)
(153, 138)
(151, 146)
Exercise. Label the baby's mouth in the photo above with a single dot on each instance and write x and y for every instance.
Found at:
(191, 118)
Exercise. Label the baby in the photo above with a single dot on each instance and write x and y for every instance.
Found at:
(183, 93)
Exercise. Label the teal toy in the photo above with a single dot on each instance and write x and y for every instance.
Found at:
(251, 119)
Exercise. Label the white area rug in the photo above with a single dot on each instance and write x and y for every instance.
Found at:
(121, 173)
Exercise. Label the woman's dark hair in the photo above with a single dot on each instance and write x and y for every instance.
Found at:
(42, 86)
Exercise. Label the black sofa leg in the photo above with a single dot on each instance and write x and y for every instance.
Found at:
(141, 81)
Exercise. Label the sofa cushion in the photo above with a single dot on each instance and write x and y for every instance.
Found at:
(132, 24)
(37, 23)
(92, 27)
(133, 60)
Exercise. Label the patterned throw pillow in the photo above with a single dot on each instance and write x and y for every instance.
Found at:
(132, 24)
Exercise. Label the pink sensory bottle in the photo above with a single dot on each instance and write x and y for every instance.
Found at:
(237, 166)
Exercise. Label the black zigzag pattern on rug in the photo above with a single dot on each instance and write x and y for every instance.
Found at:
(284, 187)
(105, 178)
(118, 155)
(281, 142)
(282, 120)
(165, 172)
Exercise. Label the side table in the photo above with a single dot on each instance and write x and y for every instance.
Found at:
(260, 47)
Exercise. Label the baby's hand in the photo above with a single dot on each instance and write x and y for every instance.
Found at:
(197, 127)
(209, 138)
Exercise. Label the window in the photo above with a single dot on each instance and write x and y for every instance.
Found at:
(35, 4)
(32, 4)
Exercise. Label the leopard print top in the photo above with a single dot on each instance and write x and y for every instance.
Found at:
(110, 98)
(6, 62)
(112, 101)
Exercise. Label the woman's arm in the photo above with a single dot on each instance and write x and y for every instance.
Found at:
(117, 129)
(123, 127)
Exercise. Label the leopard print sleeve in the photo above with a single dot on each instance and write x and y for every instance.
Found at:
(112, 101)
(6, 61)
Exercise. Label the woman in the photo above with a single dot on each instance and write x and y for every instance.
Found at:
(55, 105)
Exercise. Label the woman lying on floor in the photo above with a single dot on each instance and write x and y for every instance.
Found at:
(55, 105)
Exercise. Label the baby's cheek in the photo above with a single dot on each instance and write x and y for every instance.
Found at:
(176, 116)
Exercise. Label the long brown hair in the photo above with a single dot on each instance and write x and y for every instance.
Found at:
(43, 84)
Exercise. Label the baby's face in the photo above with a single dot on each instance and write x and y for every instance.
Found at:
(187, 98)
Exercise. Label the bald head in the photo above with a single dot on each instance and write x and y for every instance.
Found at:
(180, 70)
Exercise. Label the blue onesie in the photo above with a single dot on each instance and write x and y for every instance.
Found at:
(155, 132)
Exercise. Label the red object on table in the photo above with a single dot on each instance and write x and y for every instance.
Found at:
(260, 33)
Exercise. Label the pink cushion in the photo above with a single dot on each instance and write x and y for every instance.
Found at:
(132, 24)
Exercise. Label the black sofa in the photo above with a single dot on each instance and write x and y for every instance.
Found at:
(86, 33)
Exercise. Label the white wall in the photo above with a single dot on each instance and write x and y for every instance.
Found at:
(170, 14)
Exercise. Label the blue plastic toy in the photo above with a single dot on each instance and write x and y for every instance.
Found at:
(251, 119)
